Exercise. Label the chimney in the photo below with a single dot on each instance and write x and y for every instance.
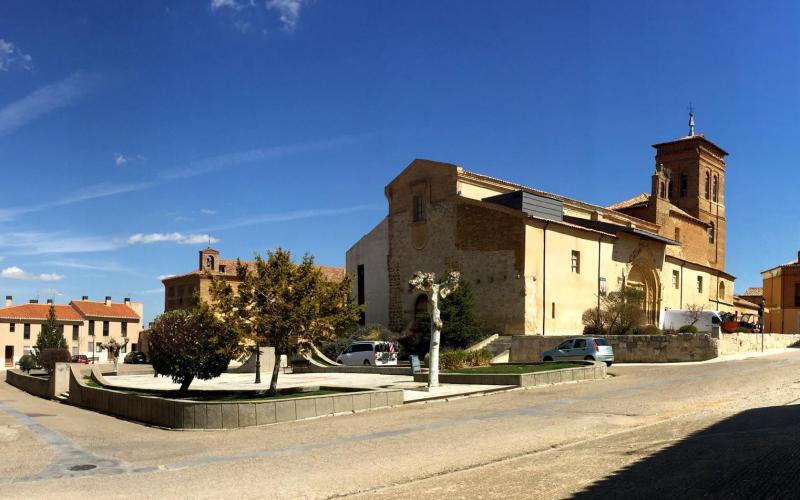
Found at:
(127, 301)
(9, 301)
(798, 256)
(49, 301)
(108, 300)
(34, 301)
(85, 297)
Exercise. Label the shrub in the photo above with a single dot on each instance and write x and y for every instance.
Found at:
(461, 326)
(687, 329)
(620, 311)
(453, 360)
(27, 363)
(593, 330)
(49, 357)
(645, 330)
(191, 344)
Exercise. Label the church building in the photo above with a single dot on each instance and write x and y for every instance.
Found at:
(536, 260)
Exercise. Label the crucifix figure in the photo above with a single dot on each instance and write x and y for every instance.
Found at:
(426, 282)
(113, 348)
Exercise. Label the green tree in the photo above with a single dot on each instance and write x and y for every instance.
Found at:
(285, 305)
(620, 311)
(51, 336)
(190, 344)
(462, 326)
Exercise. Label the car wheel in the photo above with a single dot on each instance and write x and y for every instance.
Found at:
(588, 358)
(548, 358)
(366, 362)
(609, 363)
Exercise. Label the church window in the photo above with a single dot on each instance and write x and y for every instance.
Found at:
(677, 234)
(576, 262)
(715, 192)
(797, 295)
(663, 190)
(708, 185)
(419, 209)
(711, 233)
(676, 279)
(699, 284)
(684, 184)
(722, 291)
(221, 268)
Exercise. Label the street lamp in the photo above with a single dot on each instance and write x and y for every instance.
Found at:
(761, 314)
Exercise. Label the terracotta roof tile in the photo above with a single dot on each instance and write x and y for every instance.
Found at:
(753, 291)
(39, 312)
(639, 199)
(101, 310)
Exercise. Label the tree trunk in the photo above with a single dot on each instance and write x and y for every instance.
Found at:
(273, 383)
(185, 384)
(436, 331)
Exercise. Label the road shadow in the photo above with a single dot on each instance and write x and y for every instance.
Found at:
(753, 454)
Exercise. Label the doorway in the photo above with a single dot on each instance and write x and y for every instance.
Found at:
(9, 356)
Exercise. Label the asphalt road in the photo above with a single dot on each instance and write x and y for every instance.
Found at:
(716, 430)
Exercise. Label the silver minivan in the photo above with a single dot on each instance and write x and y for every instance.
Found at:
(581, 348)
(373, 353)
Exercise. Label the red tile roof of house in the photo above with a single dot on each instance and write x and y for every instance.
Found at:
(39, 312)
(101, 310)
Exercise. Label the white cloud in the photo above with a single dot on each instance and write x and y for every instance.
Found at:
(52, 292)
(193, 169)
(120, 160)
(44, 100)
(15, 273)
(230, 4)
(102, 266)
(36, 243)
(207, 211)
(290, 216)
(165, 276)
(289, 11)
(182, 239)
(85, 194)
(11, 56)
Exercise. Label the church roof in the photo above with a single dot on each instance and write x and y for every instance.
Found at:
(753, 291)
(696, 137)
(641, 200)
(335, 274)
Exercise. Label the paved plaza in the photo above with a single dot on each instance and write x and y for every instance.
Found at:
(412, 391)
(727, 427)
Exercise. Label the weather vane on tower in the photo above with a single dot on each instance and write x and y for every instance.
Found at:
(691, 119)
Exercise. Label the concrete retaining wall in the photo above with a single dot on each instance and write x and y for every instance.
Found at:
(384, 370)
(49, 388)
(180, 414)
(658, 348)
(37, 386)
(590, 372)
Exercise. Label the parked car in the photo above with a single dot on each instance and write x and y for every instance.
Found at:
(378, 353)
(581, 348)
(673, 319)
(135, 358)
(80, 358)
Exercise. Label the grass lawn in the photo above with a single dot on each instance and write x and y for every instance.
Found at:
(514, 369)
(220, 395)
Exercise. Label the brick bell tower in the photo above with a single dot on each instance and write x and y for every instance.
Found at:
(696, 167)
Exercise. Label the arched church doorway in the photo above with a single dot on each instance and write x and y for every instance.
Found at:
(645, 278)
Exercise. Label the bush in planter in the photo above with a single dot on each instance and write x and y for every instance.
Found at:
(453, 360)
(687, 329)
(645, 330)
(27, 363)
(49, 357)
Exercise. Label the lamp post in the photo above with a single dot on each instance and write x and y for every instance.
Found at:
(258, 362)
(761, 314)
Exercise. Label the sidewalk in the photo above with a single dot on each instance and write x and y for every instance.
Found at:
(720, 359)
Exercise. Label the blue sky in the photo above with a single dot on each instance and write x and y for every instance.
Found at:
(130, 131)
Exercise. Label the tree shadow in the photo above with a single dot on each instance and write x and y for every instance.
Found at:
(753, 454)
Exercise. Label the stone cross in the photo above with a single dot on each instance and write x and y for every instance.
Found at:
(426, 282)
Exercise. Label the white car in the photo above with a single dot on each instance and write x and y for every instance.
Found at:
(379, 353)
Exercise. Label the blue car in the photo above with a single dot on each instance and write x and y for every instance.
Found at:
(581, 348)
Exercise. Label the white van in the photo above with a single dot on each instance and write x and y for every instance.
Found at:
(378, 353)
(673, 319)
